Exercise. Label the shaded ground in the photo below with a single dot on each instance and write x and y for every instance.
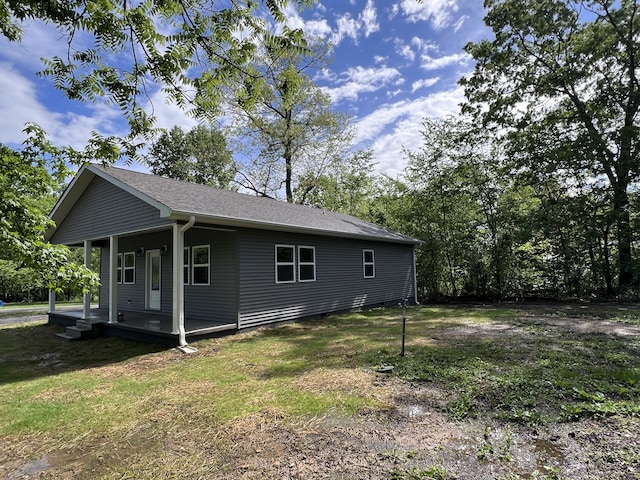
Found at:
(414, 437)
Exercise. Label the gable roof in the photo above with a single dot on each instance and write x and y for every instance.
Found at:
(180, 200)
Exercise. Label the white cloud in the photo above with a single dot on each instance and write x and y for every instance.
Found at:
(397, 126)
(359, 80)
(437, 12)
(347, 27)
(424, 83)
(461, 21)
(19, 105)
(368, 17)
(404, 50)
(431, 63)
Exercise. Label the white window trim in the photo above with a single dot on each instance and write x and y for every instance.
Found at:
(292, 263)
(300, 263)
(199, 265)
(365, 263)
(125, 268)
(187, 265)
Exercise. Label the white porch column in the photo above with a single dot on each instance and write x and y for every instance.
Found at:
(178, 279)
(86, 297)
(52, 301)
(415, 278)
(113, 279)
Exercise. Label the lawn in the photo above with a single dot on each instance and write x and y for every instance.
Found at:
(545, 392)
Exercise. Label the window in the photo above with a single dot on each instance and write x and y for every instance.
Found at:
(285, 264)
(119, 268)
(368, 263)
(185, 262)
(129, 267)
(306, 264)
(200, 265)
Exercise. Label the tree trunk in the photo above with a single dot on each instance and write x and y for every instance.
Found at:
(624, 234)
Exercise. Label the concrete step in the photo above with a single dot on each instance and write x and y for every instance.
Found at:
(80, 331)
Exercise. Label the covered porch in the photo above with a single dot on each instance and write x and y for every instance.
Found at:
(140, 326)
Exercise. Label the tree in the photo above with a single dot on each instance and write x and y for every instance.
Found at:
(29, 179)
(561, 78)
(121, 52)
(345, 187)
(199, 156)
(291, 132)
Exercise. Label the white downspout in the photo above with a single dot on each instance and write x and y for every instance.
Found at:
(178, 284)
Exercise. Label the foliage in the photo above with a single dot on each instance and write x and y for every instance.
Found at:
(289, 133)
(29, 179)
(199, 156)
(560, 78)
(345, 187)
(123, 52)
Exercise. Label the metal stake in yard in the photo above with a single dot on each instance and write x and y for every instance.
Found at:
(404, 323)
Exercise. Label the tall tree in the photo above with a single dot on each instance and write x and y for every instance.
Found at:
(198, 156)
(291, 131)
(561, 77)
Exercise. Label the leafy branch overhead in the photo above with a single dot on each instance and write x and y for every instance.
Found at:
(123, 52)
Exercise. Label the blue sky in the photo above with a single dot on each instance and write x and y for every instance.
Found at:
(396, 62)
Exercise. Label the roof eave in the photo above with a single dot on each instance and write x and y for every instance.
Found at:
(244, 223)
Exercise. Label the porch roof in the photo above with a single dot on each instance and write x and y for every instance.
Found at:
(180, 200)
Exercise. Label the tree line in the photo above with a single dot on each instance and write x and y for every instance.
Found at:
(530, 192)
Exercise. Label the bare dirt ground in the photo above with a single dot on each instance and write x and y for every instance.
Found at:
(412, 439)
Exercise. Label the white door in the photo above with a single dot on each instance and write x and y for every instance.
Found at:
(153, 279)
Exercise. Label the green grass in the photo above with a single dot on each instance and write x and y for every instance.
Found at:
(491, 363)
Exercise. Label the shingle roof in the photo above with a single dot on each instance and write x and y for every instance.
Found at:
(224, 207)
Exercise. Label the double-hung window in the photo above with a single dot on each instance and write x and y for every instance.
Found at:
(119, 268)
(129, 267)
(200, 263)
(306, 264)
(368, 264)
(285, 264)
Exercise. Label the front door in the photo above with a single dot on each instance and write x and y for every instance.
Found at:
(153, 279)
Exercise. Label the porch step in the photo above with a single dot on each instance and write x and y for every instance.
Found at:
(80, 331)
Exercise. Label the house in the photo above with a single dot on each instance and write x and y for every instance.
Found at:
(180, 260)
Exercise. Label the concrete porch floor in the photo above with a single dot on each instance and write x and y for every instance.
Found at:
(142, 324)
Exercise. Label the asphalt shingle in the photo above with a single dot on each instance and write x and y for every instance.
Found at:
(211, 204)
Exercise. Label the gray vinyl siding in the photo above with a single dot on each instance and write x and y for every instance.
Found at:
(217, 301)
(102, 210)
(340, 283)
